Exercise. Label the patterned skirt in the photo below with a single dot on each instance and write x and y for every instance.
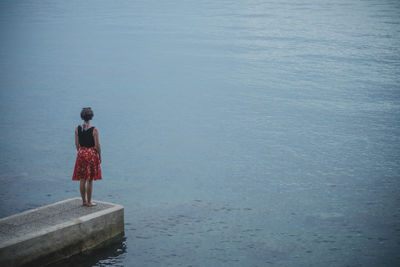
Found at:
(87, 165)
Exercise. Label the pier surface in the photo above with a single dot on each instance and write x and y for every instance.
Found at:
(58, 231)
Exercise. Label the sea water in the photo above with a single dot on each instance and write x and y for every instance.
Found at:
(234, 133)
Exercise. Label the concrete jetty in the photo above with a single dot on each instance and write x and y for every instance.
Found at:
(50, 233)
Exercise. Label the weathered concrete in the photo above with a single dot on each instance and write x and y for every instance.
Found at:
(57, 231)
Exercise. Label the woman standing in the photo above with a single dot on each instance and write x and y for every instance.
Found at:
(87, 165)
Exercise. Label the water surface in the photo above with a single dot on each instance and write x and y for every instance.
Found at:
(235, 133)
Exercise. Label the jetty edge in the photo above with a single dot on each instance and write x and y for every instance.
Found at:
(58, 231)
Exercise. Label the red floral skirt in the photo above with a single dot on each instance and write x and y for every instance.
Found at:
(87, 165)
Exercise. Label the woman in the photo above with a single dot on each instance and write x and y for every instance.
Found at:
(87, 166)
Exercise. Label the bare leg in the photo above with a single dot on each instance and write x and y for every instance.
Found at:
(82, 188)
(89, 193)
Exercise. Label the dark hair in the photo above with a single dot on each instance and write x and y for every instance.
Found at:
(87, 114)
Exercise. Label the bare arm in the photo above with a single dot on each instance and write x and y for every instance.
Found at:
(97, 142)
(76, 139)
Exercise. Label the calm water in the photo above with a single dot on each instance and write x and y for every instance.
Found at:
(235, 133)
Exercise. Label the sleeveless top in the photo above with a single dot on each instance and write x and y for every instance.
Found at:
(86, 138)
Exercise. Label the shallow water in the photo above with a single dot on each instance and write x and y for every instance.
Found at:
(235, 133)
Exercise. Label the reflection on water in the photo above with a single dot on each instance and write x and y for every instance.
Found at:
(234, 133)
(105, 256)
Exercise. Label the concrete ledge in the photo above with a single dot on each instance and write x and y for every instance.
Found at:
(57, 231)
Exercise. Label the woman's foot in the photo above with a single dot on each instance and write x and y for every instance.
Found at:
(84, 204)
(91, 204)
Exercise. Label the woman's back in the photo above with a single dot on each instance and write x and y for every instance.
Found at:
(86, 138)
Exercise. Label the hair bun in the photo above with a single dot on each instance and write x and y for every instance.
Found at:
(87, 114)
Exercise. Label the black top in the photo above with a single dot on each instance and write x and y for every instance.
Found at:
(86, 138)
